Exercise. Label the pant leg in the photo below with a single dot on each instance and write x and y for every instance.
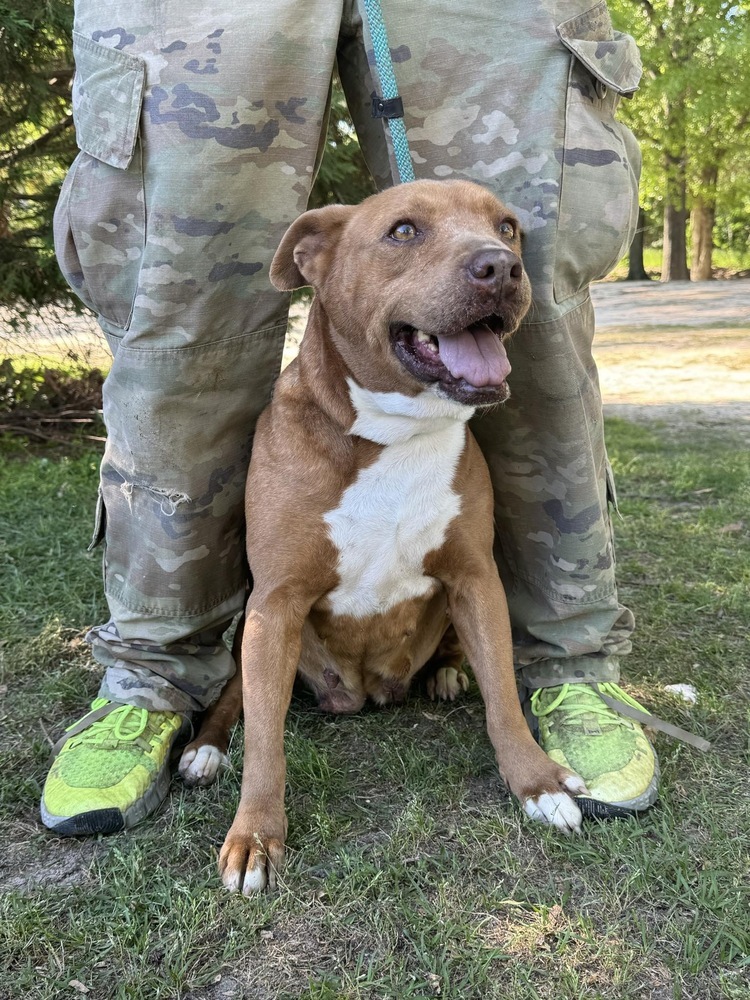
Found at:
(513, 96)
(199, 127)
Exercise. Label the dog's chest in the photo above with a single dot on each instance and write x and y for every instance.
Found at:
(395, 512)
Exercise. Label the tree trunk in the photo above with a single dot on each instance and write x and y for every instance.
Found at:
(636, 268)
(702, 225)
(702, 218)
(674, 263)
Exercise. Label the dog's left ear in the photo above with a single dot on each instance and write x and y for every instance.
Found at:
(304, 252)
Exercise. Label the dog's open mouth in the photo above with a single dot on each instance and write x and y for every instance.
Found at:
(470, 364)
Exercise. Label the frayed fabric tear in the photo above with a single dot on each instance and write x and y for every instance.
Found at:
(169, 500)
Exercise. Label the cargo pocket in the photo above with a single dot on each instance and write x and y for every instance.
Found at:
(100, 219)
(601, 159)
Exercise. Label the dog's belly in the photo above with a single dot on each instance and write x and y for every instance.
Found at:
(383, 620)
(346, 661)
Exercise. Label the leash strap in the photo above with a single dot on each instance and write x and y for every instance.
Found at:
(389, 106)
(646, 719)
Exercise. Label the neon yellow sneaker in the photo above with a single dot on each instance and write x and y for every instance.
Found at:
(112, 769)
(611, 753)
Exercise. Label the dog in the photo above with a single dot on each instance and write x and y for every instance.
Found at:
(369, 505)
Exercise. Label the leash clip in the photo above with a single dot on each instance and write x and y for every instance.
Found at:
(382, 107)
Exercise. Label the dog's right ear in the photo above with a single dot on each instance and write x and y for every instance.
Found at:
(305, 251)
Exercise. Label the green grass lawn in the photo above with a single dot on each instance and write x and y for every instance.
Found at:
(411, 874)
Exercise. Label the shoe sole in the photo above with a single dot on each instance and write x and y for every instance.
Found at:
(113, 820)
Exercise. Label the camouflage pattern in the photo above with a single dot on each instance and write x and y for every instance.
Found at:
(498, 96)
(570, 670)
(200, 128)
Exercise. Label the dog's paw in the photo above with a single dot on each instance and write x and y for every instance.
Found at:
(447, 684)
(201, 765)
(558, 808)
(249, 864)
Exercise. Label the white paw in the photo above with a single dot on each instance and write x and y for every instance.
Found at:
(447, 684)
(558, 808)
(255, 880)
(201, 766)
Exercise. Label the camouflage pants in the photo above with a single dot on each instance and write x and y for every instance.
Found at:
(200, 127)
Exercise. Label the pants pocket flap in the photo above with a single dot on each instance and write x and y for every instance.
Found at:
(610, 56)
(108, 91)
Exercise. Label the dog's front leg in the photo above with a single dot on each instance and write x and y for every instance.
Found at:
(479, 612)
(254, 847)
(203, 757)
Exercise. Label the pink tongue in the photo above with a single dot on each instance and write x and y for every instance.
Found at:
(479, 357)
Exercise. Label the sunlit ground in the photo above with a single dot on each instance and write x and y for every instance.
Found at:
(678, 343)
(657, 366)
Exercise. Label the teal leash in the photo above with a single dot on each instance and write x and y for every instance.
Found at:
(389, 105)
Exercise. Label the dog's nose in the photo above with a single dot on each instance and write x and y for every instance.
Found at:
(494, 267)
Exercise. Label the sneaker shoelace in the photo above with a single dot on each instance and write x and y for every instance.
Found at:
(124, 725)
(587, 702)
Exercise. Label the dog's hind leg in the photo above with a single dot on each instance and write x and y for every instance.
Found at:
(444, 672)
(202, 759)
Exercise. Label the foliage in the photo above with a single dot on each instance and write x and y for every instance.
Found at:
(27, 387)
(343, 175)
(50, 404)
(692, 111)
(733, 226)
(37, 140)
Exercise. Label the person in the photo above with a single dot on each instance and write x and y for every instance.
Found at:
(200, 128)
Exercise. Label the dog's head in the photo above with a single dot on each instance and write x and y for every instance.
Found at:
(421, 283)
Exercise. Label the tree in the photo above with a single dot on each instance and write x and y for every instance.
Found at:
(636, 268)
(37, 143)
(690, 112)
(720, 113)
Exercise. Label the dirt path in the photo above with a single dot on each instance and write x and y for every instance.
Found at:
(677, 303)
(675, 352)
(679, 353)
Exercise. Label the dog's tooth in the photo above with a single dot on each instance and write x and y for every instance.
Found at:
(427, 340)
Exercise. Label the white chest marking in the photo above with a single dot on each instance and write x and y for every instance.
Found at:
(399, 508)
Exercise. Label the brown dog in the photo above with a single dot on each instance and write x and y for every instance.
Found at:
(369, 506)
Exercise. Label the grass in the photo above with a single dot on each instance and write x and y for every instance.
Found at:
(411, 874)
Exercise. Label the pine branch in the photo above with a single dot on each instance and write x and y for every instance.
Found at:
(31, 148)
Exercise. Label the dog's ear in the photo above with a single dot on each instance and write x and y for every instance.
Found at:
(305, 250)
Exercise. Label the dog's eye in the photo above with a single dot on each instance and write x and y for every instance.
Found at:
(403, 232)
(508, 229)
